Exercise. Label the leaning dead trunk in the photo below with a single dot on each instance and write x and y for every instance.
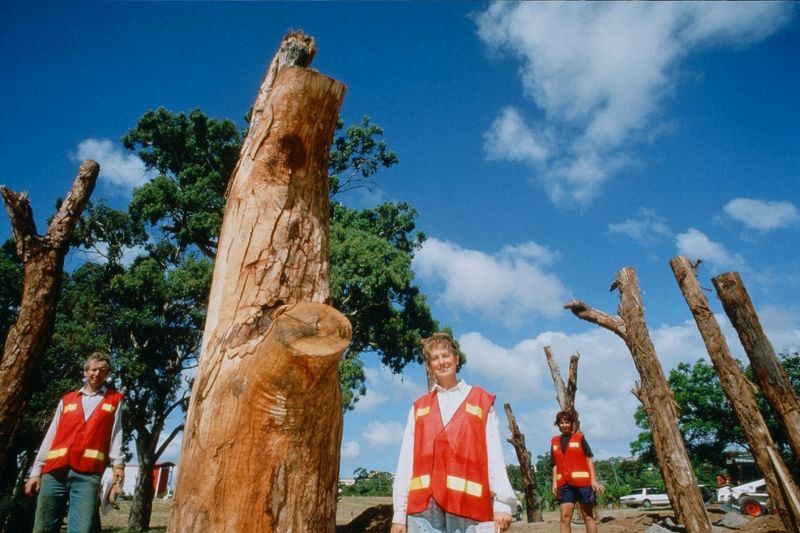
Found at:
(533, 500)
(656, 398)
(565, 394)
(739, 393)
(263, 432)
(768, 372)
(43, 264)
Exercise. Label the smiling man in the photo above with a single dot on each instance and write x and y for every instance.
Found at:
(451, 476)
(84, 436)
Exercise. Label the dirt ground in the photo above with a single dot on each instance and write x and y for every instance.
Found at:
(611, 520)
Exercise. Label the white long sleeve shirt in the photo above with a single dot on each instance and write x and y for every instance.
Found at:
(449, 401)
(89, 402)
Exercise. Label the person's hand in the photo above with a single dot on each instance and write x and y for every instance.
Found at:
(598, 487)
(116, 486)
(33, 485)
(398, 528)
(554, 490)
(502, 521)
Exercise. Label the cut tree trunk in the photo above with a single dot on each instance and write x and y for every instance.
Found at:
(768, 372)
(533, 500)
(656, 398)
(264, 427)
(43, 265)
(737, 389)
(565, 394)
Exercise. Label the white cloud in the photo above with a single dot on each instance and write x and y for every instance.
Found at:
(118, 170)
(350, 450)
(648, 229)
(696, 245)
(762, 215)
(380, 434)
(385, 386)
(509, 286)
(510, 138)
(600, 75)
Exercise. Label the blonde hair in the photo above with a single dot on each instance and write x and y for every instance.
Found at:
(438, 340)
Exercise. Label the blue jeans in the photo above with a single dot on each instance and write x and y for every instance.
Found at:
(435, 520)
(82, 493)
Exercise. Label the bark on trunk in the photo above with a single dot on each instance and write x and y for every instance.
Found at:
(263, 431)
(43, 265)
(739, 393)
(656, 397)
(768, 372)
(533, 500)
(565, 394)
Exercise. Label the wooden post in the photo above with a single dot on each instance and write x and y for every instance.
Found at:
(768, 372)
(565, 394)
(656, 397)
(264, 427)
(533, 500)
(738, 391)
(43, 265)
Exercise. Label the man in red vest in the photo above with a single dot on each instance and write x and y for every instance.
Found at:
(451, 475)
(574, 479)
(84, 437)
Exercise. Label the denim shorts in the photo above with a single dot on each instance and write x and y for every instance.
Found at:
(570, 494)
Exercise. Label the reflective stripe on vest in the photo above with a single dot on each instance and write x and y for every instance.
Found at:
(474, 410)
(94, 454)
(69, 407)
(580, 475)
(55, 454)
(108, 407)
(463, 485)
(421, 482)
(422, 411)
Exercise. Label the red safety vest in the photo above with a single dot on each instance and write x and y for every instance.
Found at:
(451, 462)
(81, 444)
(572, 467)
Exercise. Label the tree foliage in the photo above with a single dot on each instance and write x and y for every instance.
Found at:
(369, 483)
(707, 420)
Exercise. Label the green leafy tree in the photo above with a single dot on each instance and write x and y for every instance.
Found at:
(369, 483)
(706, 419)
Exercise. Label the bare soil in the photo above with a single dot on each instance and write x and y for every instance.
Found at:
(611, 520)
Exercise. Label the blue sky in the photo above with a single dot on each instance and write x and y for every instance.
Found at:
(545, 146)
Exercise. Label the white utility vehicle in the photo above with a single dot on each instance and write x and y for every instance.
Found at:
(750, 498)
(645, 497)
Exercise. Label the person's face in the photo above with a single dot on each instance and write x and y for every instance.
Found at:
(565, 426)
(444, 364)
(95, 373)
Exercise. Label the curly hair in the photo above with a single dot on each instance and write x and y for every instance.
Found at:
(566, 416)
(437, 340)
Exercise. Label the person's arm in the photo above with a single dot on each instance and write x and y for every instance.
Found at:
(596, 485)
(402, 477)
(117, 459)
(33, 483)
(554, 487)
(587, 450)
(500, 487)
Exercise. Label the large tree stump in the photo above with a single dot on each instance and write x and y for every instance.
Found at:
(768, 372)
(43, 265)
(656, 398)
(263, 432)
(533, 500)
(739, 393)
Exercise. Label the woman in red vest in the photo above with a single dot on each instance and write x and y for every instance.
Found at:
(451, 475)
(574, 479)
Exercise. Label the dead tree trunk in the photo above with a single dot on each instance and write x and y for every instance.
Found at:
(768, 372)
(738, 390)
(565, 394)
(43, 264)
(533, 500)
(264, 427)
(656, 398)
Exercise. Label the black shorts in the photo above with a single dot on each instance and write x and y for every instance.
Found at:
(570, 494)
